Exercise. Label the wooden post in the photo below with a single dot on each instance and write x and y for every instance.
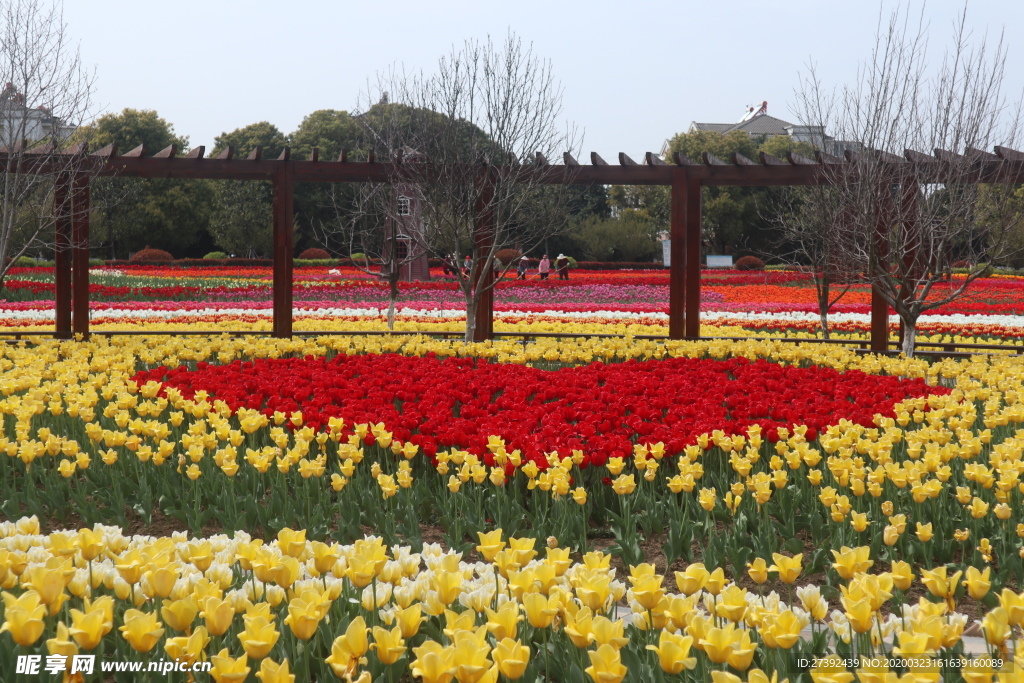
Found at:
(483, 238)
(284, 197)
(62, 256)
(80, 254)
(677, 255)
(693, 220)
(879, 307)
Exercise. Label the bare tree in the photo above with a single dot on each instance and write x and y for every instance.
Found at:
(481, 128)
(368, 222)
(810, 223)
(907, 216)
(46, 96)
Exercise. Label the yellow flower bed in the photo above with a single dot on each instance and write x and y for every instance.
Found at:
(367, 610)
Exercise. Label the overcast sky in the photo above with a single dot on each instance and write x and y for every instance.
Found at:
(634, 71)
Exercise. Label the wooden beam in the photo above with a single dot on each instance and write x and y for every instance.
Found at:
(80, 254)
(138, 152)
(62, 256)
(677, 255)
(76, 150)
(681, 160)
(286, 154)
(226, 154)
(196, 152)
(106, 152)
(823, 158)
(167, 152)
(284, 219)
(948, 157)
(596, 160)
(740, 160)
(570, 160)
(1008, 154)
(915, 157)
(712, 160)
(770, 160)
(652, 159)
(314, 154)
(343, 156)
(482, 276)
(799, 160)
(693, 232)
(541, 160)
(256, 154)
(624, 160)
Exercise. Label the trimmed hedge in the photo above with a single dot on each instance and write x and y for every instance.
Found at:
(148, 254)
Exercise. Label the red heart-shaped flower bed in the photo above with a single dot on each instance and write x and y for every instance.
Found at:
(601, 408)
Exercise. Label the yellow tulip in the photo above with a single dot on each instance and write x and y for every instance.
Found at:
(996, 627)
(292, 543)
(389, 645)
(87, 628)
(142, 630)
(23, 617)
(511, 658)
(217, 614)
(757, 570)
(850, 561)
(226, 669)
(62, 645)
(490, 544)
(272, 672)
(604, 631)
(624, 484)
(503, 624)
(469, 656)
(692, 579)
(540, 609)
(304, 616)
(902, 575)
(347, 650)
(179, 614)
(188, 648)
(673, 651)
(259, 636)
(716, 581)
(788, 568)
(718, 643)
(732, 603)
(924, 532)
(977, 582)
(606, 665)
(434, 663)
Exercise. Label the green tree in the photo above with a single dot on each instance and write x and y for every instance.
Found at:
(132, 213)
(628, 238)
(241, 220)
(733, 217)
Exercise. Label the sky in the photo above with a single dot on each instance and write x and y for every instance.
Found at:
(634, 72)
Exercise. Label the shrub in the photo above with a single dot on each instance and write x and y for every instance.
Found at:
(507, 256)
(749, 263)
(358, 256)
(314, 254)
(25, 262)
(148, 254)
(215, 255)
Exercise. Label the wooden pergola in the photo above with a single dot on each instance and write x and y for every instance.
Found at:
(685, 177)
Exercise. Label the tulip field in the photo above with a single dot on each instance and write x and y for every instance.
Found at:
(404, 508)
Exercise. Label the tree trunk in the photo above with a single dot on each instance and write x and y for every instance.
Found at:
(823, 291)
(909, 336)
(392, 302)
(471, 303)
